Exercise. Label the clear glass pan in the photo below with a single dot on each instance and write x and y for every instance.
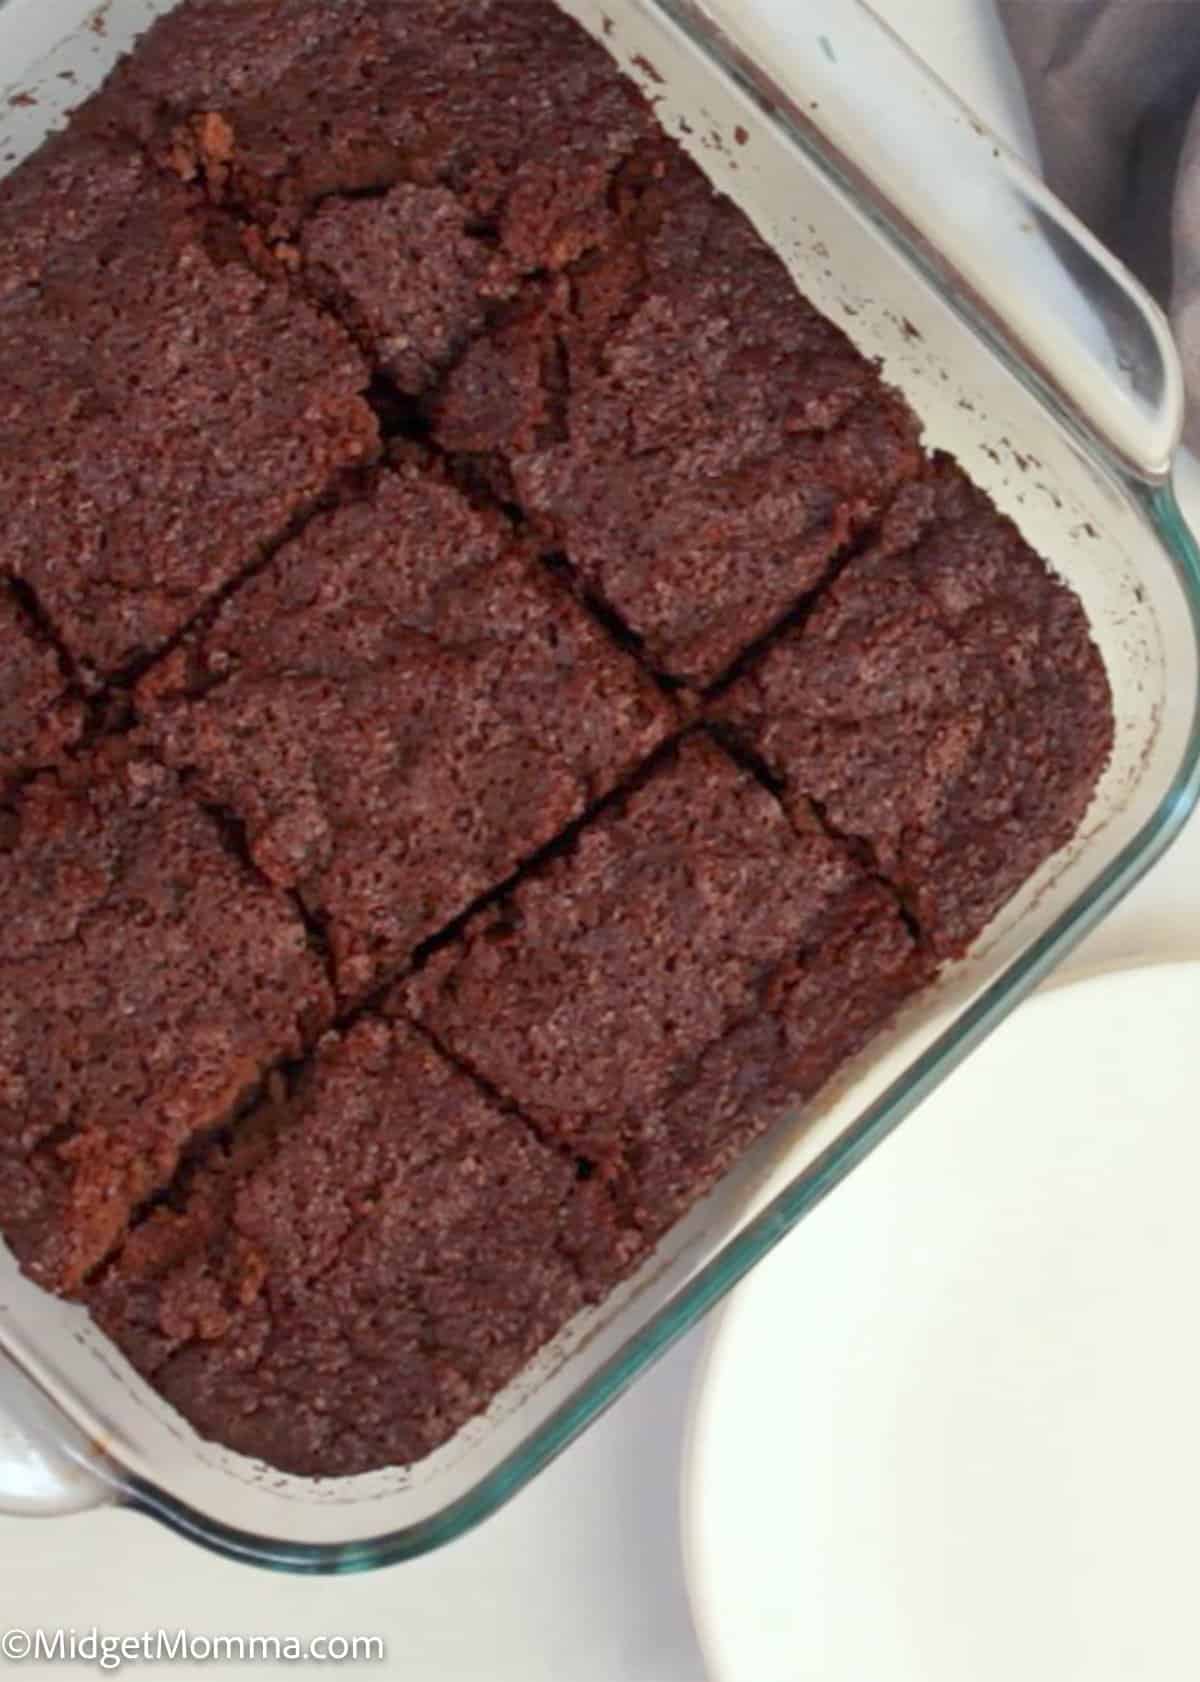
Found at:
(1034, 358)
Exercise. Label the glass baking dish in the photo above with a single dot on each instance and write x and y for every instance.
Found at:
(1033, 357)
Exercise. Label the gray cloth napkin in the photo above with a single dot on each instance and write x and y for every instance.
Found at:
(1115, 90)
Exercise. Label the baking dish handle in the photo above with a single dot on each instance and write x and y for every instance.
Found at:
(1064, 315)
(47, 1467)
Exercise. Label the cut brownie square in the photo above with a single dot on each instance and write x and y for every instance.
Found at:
(656, 996)
(164, 415)
(38, 717)
(278, 107)
(401, 709)
(676, 418)
(147, 981)
(362, 1268)
(944, 704)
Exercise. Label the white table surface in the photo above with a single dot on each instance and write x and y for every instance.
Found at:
(580, 1578)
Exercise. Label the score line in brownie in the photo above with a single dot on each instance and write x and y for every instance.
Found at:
(653, 998)
(39, 718)
(165, 414)
(675, 418)
(335, 1292)
(943, 704)
(400, 710)
(148, 983)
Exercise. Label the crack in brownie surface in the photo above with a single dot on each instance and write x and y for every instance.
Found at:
(163, 417)
(696, 438)
(146, 986)
(654, 997)
(39, 719)
(944, 703)
(401, 709)
(364, 1268)
(406, 273)
(277, 107)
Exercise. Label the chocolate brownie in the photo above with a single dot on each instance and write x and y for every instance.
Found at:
(147, 982)
(496, 706)
(75, 189)
(363, 1268)
(694, 436)
(164, 415)
(655, 996)
(944, 704)
(508, 103)
(407, 273)
(401, 709)
(38, 716)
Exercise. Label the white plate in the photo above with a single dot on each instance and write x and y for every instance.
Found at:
(950, 1432)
